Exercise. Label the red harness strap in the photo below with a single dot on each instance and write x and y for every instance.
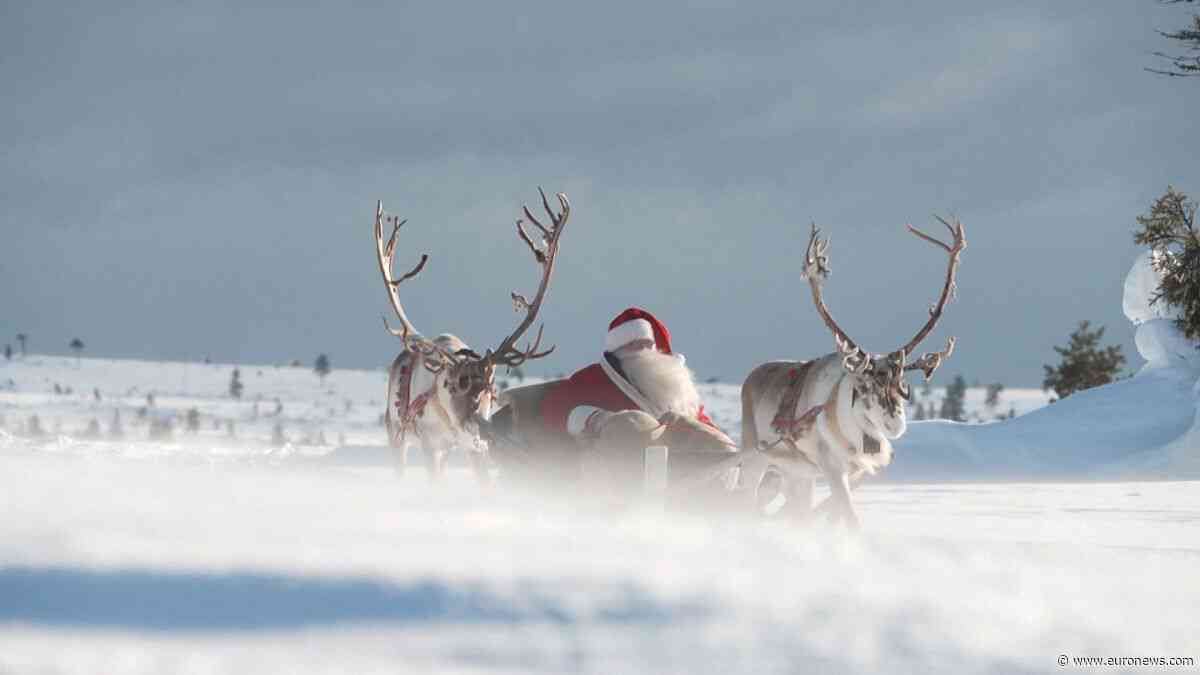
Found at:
(785, 422)
(408, 408)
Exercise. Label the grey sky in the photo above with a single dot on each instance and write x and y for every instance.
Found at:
(199, 180)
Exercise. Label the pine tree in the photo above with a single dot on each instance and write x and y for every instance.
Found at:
(1182, 65)
(22, 338)
(77, 347)
(954, 403)
(322, 367)
(8, 352)
(993, 395)
(1170, 229)
(235, 384)
(193, 420)
(1084, 363)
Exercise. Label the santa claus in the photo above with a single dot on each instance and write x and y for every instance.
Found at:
(638, 372)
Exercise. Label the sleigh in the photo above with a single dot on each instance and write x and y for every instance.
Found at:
(678, 460)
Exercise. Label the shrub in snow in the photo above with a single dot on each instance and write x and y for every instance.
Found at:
(115, 430)
(235, 384)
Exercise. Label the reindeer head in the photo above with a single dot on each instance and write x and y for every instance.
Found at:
(469, 384)
(879, 390)
(466, 379)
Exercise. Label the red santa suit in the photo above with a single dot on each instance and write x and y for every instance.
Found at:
(603, 385)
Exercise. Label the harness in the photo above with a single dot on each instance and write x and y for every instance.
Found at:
(791, 427)
(410, 409)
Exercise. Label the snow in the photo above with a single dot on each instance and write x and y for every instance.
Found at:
(1147, 426)
(1159, 341)
(986, 548)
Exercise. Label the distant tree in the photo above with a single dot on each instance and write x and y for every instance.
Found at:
(8, 352)
(150, 400)
(115, 430)
(193, 420)
(954, 403)
(161, 428)
(93, 429)
(1170, 230)
(277, 437)
(96, 394)
(235, 384)
(22, 339)
(993, 395)
(1084, 363)
(918, 413)
(1187, 64)
(77, 347)
(34, 428)
(229, 428)
(321, 367)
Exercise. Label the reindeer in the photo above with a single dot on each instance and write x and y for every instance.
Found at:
(440, 391)
(835, 415)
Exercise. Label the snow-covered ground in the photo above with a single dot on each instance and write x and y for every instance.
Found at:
(205, 553)
(143, 566)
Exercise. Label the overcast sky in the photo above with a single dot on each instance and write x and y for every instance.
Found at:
(199, 180)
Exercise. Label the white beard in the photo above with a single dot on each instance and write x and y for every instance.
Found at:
(664, 379)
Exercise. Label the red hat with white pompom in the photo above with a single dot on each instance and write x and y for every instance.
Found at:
(637, 324)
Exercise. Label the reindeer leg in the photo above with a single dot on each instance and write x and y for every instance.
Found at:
(839, 485)
(800, 503)
(435, 462)
(400, 458)
(479, 462)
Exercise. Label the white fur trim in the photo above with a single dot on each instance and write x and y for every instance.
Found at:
(636, 329)
(578, 417)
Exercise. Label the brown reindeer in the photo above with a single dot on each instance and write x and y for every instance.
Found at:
(440, 391)
(835, 415)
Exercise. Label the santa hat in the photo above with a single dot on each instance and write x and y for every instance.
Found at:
(637, 324)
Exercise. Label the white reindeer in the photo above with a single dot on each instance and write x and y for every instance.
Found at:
(439, 390)
(835, 415)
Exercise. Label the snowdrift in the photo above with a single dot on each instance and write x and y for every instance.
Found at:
(1147, 426)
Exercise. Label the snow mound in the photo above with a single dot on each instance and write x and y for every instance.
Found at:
(1145, 426)
(1158, 339)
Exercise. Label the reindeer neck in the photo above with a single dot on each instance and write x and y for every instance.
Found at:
(839, 415)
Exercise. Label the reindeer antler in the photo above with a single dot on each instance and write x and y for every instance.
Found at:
(816, 270)
(929, 362)
(544, 252)
(385, 254)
